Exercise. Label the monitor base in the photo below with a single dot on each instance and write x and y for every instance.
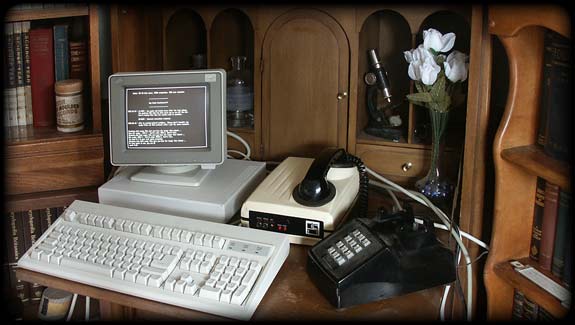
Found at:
(177, 176)
(219, 197)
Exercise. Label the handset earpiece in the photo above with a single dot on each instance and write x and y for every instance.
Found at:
(314, 190)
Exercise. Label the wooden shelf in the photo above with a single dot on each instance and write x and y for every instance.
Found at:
(19, 135)
(364, 138)
(48, 13)
(530, 289)
(534, 160)
(50, 199)
(242, 130)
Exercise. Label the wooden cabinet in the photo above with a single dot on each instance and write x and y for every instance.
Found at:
(305, 79)
(40, 161)
(518, 160)
(308, 65)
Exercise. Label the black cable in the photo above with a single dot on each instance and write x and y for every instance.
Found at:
(363, 193)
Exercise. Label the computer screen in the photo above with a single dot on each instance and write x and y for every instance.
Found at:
(168, 118)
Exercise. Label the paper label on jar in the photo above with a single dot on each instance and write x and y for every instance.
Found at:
(69, 111)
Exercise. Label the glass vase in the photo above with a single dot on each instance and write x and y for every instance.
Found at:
(436, 186)
(240, 95)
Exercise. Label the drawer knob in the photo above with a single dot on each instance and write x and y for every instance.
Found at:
(341, 96)
(407, 166)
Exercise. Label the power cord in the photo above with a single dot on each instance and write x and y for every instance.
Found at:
(247, 155)
(420, 198)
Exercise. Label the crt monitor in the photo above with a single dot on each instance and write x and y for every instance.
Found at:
(173, 122)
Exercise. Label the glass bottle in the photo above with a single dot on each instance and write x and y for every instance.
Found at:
(240, 95)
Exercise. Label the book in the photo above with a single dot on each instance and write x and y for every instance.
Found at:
(27, 83)
(10, 101)
(19, 67)
(46, 218)
(19, 59)
(42, 76)
(61, 53)
(78, 60)
(567, 270)
(32, 231)
(548, 225)
(530, 310)
(537, 219)
(14, 237)
(558, 104)
(518, 299)
(561, 242)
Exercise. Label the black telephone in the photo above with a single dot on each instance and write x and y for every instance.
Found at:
(370, 259)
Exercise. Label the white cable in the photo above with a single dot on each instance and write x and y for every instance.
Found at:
(242, 141)
(443, 303)
(425, 201)
(463, 233)
(237, 152)
(87, 315)
(389, 190)
(72, 305)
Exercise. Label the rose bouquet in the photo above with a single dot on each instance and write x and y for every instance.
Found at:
(438, 78)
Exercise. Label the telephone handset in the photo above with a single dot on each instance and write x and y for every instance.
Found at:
(316, 190)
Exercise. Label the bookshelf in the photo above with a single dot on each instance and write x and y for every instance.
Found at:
(518, 161)
(60, 160)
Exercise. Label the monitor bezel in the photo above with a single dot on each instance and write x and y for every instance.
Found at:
(214, 154)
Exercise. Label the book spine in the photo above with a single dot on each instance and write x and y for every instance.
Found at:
(16, 250)
(61, 52)
(558, 138)
(561, 243)
(42, 76)
(518, 299)
(544, 100)
(549, 225)
(537, 219)
(530, 310)
(10, 91)
(567, 269)
(34, 231)
(78, 60)
(19, 58)
(27, 84)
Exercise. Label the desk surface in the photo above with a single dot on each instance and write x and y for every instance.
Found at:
(292, 296)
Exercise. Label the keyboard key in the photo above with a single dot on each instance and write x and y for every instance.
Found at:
(169, 284)
(239, 295)
(180, 285)
(142, 278)
(191, 288)
(86, 266)
(210, 293)
(155, 281)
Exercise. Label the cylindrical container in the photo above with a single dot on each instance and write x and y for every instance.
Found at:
(69, 105)
(54, 304)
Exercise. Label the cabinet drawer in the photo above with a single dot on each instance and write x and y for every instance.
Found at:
(402, 165)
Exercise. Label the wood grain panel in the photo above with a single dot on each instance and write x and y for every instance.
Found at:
(514, 187)
(306, 65)
(136, 38)
(508, 20)
(60, 164)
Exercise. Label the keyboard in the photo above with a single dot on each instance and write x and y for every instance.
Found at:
(210, 267)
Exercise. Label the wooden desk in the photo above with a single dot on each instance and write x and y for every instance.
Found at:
(292, 296)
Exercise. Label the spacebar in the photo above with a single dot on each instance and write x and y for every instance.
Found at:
(86, 266)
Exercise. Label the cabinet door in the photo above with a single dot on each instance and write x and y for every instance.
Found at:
(136, 38)
(305, 67)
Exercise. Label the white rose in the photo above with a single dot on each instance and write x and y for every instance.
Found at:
(416, 58)
(433, 39)
(455, 66)
(428, 71)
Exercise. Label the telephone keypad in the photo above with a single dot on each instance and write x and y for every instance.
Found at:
(345, 249)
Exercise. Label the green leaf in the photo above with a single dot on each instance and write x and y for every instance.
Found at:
(420, 97)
